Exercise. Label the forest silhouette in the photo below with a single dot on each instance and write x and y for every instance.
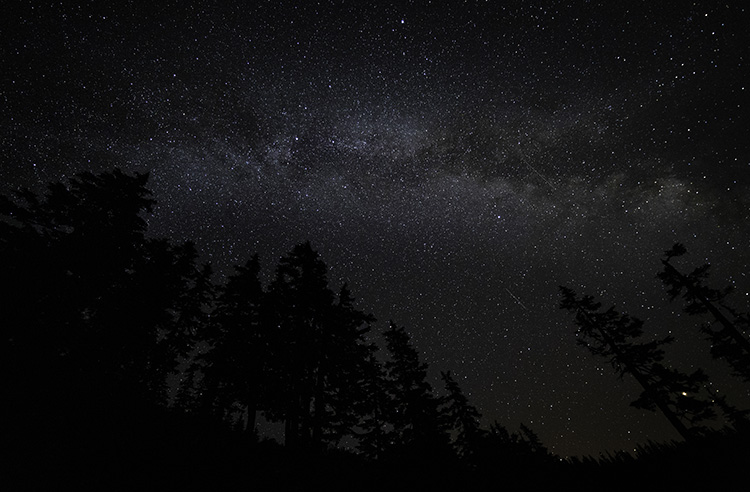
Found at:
(129, 366)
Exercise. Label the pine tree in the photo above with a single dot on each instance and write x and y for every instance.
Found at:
(170, 276)
(299, 302)
(728, 342)
(240, 354)
(320, 352)
(90, 305)
(612, 335)
(77, 256)
(348, 364)
(374, 428)
(417, 424)
(463, 420)
(520, 456)
(532, 441)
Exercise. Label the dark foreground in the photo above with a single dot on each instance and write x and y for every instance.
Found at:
(161, 451)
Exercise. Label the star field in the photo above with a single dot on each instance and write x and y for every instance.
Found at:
(453, 164)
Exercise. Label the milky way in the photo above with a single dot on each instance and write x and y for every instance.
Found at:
(453, 165)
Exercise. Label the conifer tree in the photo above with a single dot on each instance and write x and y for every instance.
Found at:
(532, 441)
(77, 256)
(300, 304)
(520, 454)
(319, 353)
(613, 335)
(170, 276)
(463, 419)
(374, 428)
(729, 341)
(417, 424)
(90, 307)
(241, 349)
(348, 364)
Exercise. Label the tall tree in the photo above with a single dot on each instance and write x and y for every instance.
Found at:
(613, 335)
(89, 299)
(170, 276)
(75, 257)
(729, 341)
(463, 419)
(241, 349)
(418, 426)
(320, 351)
(374, 429)
(299, 305)
(348, 364)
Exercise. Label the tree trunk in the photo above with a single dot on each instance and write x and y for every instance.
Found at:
(251, 416)
(317, 411)
(291, 431)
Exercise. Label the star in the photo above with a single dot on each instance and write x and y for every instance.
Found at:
(430, 163)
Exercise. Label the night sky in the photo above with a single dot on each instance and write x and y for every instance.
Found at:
(453, 164)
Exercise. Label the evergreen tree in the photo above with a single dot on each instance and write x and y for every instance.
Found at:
(299, 305)
(170, 276)
(739, 419)
(612, 335)
(463, 420)
(417, 424)
(77, 257)
(729, 341)
(374, 428)
(90, 311)
(234, 367)
(349, 363)
(517, 459)
(532, 441)
(320, 352)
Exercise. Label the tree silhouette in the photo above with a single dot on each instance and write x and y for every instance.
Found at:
(463, 420)
(241, 352)
(417, 423)
(374, 428)
(177, 293)
(97, 315)
(77, 258)
(611, 335)
(518, 460)
(320, 352)
(532, 441)
(349, 365)
(94, 313)
(728, 341)
(182, 342)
